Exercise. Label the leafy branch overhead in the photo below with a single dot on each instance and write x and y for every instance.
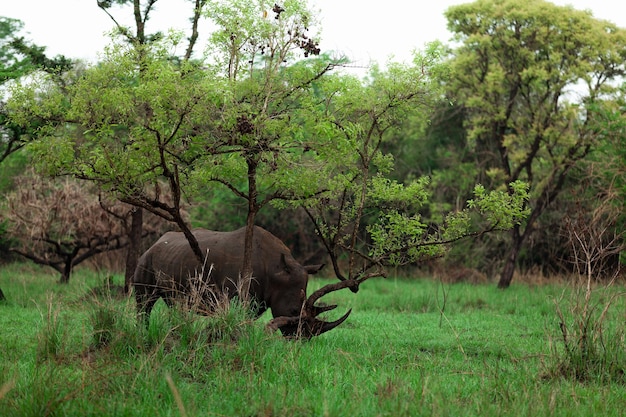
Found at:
(18, 58)
(401, 237)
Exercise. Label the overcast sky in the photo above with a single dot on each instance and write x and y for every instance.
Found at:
(363, 30)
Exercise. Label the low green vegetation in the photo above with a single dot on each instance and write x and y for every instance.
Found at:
(410, 348)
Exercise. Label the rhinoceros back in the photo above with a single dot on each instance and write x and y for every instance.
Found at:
(171, 259)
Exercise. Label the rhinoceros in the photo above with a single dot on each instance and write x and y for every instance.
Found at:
(168, 269)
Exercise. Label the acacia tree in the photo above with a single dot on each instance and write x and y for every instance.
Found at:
(92, 130)
(265, 117)
(268, 137)
(531, 76)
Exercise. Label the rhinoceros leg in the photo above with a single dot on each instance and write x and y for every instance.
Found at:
(146, 297)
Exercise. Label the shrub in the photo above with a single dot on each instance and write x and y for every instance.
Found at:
(592, 337)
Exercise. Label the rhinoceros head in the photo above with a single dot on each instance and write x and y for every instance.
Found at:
(294, 314)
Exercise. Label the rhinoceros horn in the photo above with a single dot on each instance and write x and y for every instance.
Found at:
(304, 327)
(307, 325)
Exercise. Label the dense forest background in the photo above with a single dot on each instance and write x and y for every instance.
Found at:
(532, 93)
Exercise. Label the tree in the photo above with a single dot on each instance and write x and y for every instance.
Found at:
(50, 101)
(530, 76)
(62, 223)
(373, 221)
(269, 132)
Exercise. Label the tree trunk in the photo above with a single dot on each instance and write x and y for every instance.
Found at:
(134, 246)
(509, 267)
(66, 270)
(253, 208)
(518, 237)
(246, 267)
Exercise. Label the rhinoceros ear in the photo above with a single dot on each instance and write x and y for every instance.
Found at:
(287, 263)
(313, 269)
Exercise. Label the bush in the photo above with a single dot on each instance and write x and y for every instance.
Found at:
(592, 336)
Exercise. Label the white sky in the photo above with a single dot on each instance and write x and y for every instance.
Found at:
(363, 30)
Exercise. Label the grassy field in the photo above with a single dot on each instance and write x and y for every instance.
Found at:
(410, 348)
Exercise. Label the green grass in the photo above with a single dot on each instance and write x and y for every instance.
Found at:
(410, 348)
